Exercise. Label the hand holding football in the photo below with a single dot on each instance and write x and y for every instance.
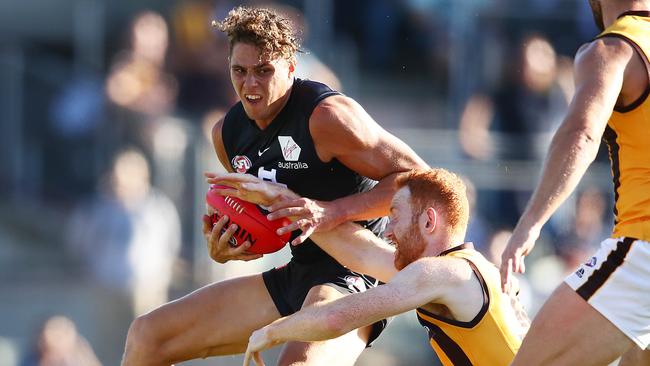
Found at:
(251, 221)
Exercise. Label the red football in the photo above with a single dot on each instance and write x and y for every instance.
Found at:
(251, 221)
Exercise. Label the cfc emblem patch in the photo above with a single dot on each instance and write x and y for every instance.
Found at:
(355, 283)
(241, 163)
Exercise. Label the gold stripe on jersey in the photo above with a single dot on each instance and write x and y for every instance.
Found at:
(493, 337)
(628, 138)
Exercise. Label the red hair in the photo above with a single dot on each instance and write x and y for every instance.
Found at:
(440, 189)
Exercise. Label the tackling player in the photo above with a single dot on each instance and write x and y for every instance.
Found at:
(456, 292)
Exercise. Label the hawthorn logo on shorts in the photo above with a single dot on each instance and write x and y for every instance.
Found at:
(355, 283)
(241, 163)
(580, 272)
(592, 262)
(290, 150)
(429, 331)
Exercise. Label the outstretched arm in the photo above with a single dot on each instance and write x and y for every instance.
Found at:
(599, 72)
(424, 281)
(358, 249)
(250, 188)
(350, 244)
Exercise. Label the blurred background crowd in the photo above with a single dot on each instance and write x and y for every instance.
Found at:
(106, 109)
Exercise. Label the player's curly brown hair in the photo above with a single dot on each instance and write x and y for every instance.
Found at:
(439, 188)
(271, 33)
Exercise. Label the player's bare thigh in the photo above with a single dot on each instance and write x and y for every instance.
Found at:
(343, 350)
(568, 331)
(214, 320)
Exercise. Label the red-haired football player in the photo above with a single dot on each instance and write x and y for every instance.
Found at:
(456, 291)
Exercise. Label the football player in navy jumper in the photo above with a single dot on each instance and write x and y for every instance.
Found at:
(322, 145)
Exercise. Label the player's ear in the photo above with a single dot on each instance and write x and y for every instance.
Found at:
(432, 219)
(292, 65)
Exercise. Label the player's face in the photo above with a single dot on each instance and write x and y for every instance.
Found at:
(403, 230)
(261, 83)
(597, 12)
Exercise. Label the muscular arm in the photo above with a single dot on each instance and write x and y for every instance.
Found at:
(428, 280)
(599, 72)
(575, 144)
(350, 244)
(343, 130)
(359, 250)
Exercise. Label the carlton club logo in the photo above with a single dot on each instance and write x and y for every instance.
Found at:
(355, 283)
(290, 150)
(241, 163)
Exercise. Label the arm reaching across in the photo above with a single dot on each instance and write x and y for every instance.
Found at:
(350, 244)
(359, 250)
(250, 188)
(424, 281)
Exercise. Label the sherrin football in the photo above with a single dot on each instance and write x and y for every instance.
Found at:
(251, 221)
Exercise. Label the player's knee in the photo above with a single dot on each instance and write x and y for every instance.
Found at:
(142, 343)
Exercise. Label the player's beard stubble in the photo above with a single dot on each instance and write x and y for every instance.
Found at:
(409, 247)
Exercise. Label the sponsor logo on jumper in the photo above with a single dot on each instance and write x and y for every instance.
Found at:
(241, 163)
(260, 152)
(290, 150)
(292, 165)
(591, 262)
